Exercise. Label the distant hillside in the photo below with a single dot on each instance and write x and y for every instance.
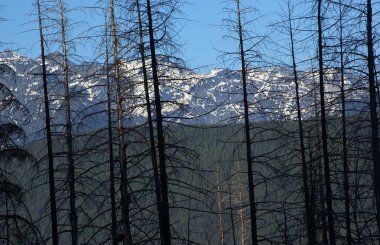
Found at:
(187, 96)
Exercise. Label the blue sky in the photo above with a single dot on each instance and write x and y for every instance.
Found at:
(201, 33)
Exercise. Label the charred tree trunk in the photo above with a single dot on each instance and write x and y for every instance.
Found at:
(317, 184)
(344, 134)
(330, 212)
(69, 137)
(151, 128)
(310, 221)
(110, 143)
(373, 111)
(53, 204)
(166, 236)
(121, 133)
(251, 187)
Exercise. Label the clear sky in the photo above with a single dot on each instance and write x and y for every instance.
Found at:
(201, 32)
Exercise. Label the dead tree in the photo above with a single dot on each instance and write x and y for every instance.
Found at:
(110, 140)
(121, 134)
(150, 126)
(53, 205)
(326, 164)
(373, 109)
(310, 220)
(166, 236)
(251, 186)
(69, 136)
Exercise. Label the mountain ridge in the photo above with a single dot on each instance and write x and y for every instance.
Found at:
(188, 97)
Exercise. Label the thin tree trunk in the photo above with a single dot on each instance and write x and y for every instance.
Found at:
(356, 204)
(166, 236)
(310, 221)
(69, 137)
(110, 143)
(53, 205)
(286, 236)
(231, 211)
(121, 133)
(313, 198)
(232, 221)
(188, 223)
(373, 110)
(344, 134)
(7, 220)
(251, 187)
(318, 182)
(241, 210)
(220, 211)
(151, 128)
(330, 212)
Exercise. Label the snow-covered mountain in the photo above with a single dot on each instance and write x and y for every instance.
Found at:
(187, 96)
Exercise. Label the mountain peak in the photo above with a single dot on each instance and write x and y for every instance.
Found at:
(8, 54)
(218, 92)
